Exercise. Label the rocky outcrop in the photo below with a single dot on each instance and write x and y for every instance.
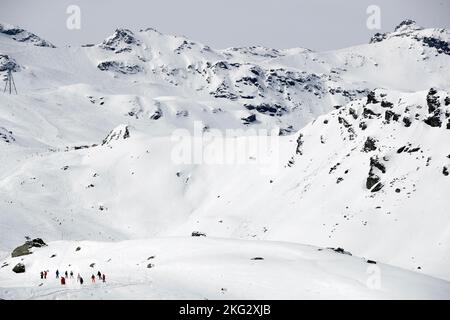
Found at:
(438, 44)
(224, 91)
(409, 29)
(432, 100)
(267, 108)
(8, 63)
(198, 234)
(298, 149)
(248, 120)
(157, 114)
(21, 35)
(369, 145)
(373, 181)
(121, 41)
(407, 25)
(378, 37)
(119, 67)
(121, 132)
(27, 246)
(391, 116)
(6, 135)
(434, 119)
(341, 251)
(407, 121)
(19, 268)
(368, 113)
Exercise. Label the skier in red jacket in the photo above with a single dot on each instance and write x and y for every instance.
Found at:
(63, 281)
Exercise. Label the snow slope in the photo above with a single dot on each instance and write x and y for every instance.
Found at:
(361, 160)
(202, 268)
(130, 186)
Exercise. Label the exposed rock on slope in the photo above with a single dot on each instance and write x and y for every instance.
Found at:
(25, 248)
(436, 39)
(8, 63)
(6, 135)
(21, 35)
(121, 132)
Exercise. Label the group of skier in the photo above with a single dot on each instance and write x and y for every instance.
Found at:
(100, 276)
(63, 278)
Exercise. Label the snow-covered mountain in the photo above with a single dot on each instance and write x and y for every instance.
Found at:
(361, 160)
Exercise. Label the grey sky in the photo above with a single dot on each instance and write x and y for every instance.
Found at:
(318, 24)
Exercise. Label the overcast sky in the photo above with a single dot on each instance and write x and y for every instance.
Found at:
(314, 24)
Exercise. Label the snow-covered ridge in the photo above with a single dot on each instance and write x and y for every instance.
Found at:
(285, 88)
(438, 39)
(21, 35)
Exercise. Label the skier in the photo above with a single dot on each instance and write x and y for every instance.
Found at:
(99, 274)
(45, 274)
(93, 279)
(71, 274)
(67, 275)
(81, 280)
(57, 274)
(42, 275)
(78, 278)
(63, 281)
(104, 278)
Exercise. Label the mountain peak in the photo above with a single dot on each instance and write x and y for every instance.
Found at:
(438, 39)
(121, 132)
(407, 25)
(120, 39)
